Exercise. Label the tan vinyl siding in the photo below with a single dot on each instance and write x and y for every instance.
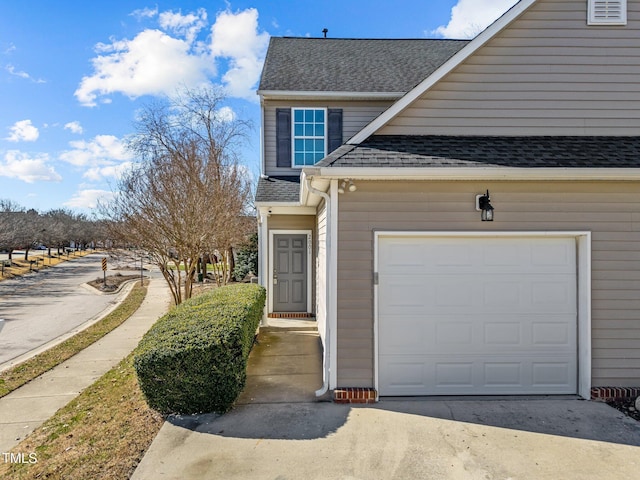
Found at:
(610, 210)
(321, 270)
(548, 73)
(355, 115)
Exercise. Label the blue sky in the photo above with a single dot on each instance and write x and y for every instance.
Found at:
(74, 72)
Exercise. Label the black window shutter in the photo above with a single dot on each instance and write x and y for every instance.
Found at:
(334, 128)
(283, 137)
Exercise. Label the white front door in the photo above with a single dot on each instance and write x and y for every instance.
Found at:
(477, 315)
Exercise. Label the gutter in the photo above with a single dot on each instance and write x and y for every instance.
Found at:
(327, 335)
(480, 173)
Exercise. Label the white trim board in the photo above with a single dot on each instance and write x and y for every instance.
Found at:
(475, 173)
(583, 245)
(309, 234)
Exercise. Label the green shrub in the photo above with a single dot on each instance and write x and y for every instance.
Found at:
(194, 358)
(247, 259)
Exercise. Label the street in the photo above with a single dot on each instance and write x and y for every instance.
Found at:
(41, 307)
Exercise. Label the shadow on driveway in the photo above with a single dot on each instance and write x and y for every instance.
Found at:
(285, 369)
(572, 418)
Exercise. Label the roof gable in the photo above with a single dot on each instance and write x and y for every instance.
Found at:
(464, 53)
(352, 65)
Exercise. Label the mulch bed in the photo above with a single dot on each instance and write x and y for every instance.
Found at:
(113, 282)
(627, 407)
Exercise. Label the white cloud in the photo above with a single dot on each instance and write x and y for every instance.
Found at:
(226, 114)
(29, 169)
(160, 61)
(12, 70)
(74, 127)
(470, 17)
(88, 198)
(187, 26)
(146, 12)
(152, 63)
(19, 73)
(236, 37)
(97, 174)
(23, 131)
(102, 150)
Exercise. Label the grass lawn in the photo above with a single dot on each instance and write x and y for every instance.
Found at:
(21, 267)
(101, 434)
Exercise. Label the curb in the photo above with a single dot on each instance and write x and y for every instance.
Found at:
(117, 290)
(56, 341)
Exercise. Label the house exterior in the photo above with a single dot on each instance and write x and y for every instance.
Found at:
(377, 156)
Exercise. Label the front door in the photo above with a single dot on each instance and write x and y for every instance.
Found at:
(290, 273)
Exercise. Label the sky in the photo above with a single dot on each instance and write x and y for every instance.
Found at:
(74, 73)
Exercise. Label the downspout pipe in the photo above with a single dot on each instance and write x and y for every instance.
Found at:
(327, 336)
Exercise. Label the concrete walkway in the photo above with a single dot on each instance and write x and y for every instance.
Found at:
(26, 408)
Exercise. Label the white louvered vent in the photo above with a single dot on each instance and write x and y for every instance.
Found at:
(607, 12)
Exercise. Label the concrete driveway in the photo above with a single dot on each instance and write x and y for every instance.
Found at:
(292, 437)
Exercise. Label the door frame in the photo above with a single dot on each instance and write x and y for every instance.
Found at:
(309, 266)
(583, 274)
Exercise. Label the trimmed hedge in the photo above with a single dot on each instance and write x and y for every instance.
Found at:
(194, 358)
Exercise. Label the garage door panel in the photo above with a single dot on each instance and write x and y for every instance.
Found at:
(477, 316)
(490, 293)
(407, 255)
(479, 375)
(395, 332)
(545, 333)
(524, 335)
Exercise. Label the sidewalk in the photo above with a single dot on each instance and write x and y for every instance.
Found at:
(26, 408)
(283, 372)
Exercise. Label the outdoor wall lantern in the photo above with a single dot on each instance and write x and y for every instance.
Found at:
(483, 205)
(347, 184)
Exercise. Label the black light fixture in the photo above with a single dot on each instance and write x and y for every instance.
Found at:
(483, 204)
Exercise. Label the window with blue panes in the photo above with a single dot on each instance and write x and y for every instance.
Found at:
(309, 136)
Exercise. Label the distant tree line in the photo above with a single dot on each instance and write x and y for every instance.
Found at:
(26, 229)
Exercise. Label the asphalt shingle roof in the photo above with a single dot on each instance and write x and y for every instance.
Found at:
(278, 189)
(352, 65)
(487, 151)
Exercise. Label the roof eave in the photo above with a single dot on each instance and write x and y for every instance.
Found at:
(264, 203)
(479, 173)
(322, 95)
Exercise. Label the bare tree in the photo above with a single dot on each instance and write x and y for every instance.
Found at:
(178, 203)
(12, 226)
(31, 232)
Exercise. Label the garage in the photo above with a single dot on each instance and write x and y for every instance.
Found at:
(476, 314)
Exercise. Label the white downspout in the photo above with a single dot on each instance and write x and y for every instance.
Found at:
(327, 335)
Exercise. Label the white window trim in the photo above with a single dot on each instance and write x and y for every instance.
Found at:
(293, 136)
(583, 244)
(593, 20)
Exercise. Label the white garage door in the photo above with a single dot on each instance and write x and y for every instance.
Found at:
(477, 315)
